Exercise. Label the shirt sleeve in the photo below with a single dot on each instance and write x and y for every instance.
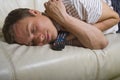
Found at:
(88, 10)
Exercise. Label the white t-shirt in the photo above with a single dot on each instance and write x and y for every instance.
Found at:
(88, 11)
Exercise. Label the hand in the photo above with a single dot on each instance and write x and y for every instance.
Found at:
(55, 9)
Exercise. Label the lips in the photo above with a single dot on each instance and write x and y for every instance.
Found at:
(48, 37)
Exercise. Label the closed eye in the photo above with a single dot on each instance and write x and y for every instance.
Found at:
(33, 30)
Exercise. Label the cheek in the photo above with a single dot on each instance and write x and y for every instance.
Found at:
(42, 29)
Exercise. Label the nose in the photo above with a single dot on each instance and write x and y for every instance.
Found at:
(39, 39)
(42, 37)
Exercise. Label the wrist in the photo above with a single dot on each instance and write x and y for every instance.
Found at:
(64, 19)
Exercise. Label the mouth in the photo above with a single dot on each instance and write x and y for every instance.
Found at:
(48, 37)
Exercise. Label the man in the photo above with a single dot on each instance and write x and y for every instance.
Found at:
(38, 29)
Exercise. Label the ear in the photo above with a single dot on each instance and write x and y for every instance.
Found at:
(35, 12)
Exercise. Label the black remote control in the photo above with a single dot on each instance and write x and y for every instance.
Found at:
(59, 43)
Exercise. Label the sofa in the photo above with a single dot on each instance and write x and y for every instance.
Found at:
(20, 62)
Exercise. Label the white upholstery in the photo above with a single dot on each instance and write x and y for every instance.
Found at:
(7, 5)
(41, 63)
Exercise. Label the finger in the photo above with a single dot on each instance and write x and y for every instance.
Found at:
(45, 4)
(59, 0)
(45, 11)
(54, 0)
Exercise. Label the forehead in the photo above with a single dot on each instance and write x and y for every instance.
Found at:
(21, 31)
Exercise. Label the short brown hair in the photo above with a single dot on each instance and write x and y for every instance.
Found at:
(14, 16)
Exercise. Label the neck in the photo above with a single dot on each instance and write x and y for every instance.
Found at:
(57, 26)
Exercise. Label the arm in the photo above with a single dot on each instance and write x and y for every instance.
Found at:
(108, 19)
(87, 35)
(105, 22)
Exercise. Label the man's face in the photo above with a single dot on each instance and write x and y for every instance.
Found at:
(38, 30)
